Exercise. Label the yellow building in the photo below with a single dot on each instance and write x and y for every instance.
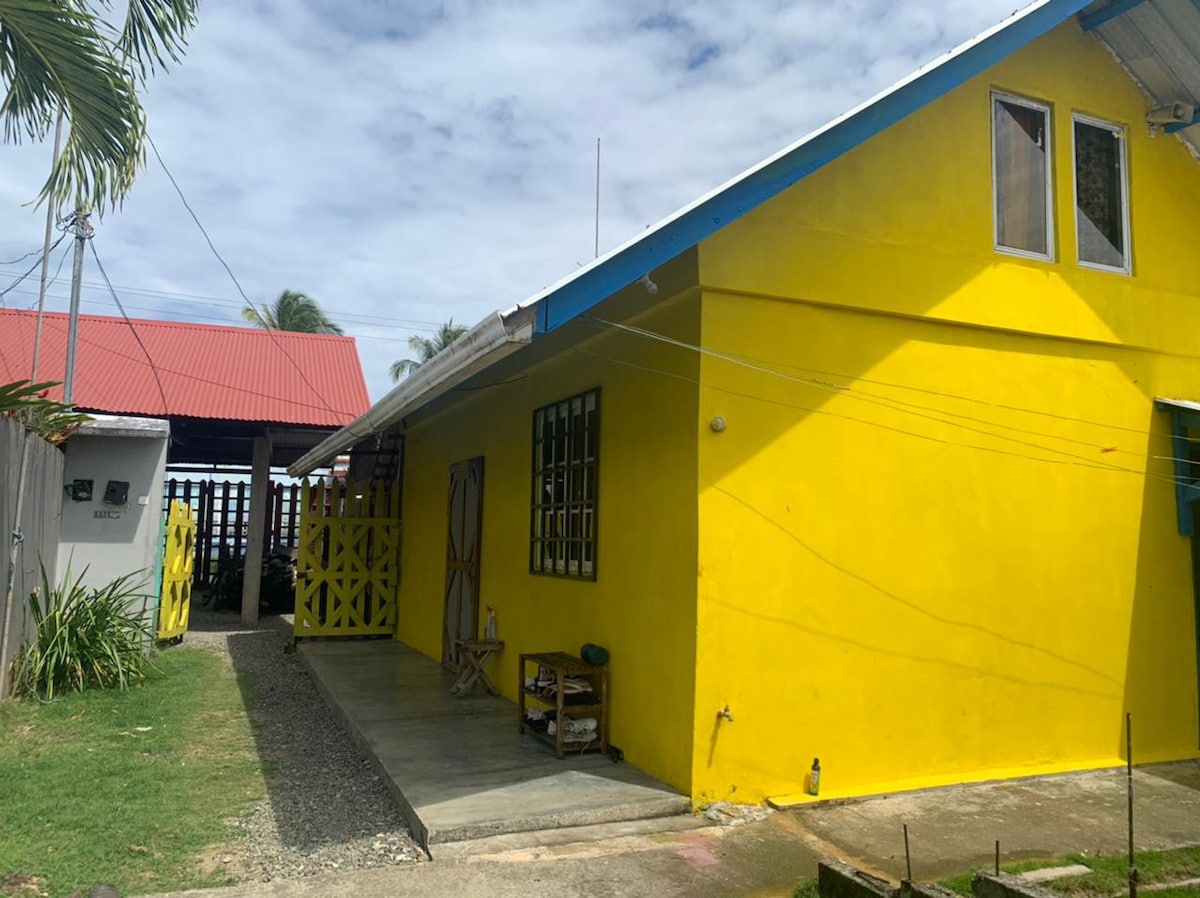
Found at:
(862, 448)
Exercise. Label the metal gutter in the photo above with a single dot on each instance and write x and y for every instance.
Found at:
(498, 335)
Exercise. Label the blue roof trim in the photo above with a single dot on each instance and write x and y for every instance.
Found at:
(1179, 126)
(693, 225)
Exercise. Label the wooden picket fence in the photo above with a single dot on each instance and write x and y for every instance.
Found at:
(223, 519)
(178, 557)
(348, 568)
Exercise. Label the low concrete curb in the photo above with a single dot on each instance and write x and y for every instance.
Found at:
(838, 880)
(1006, 885)
(925, 890)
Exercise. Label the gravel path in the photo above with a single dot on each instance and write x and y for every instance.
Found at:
(326, 809)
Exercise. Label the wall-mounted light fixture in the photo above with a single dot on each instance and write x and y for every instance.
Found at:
(80, 490)
(1172, 114)
(117, 492)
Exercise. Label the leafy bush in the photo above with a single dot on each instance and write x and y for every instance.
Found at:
(26, 403)
(85, 638)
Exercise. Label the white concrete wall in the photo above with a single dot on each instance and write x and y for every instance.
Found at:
(112, 540)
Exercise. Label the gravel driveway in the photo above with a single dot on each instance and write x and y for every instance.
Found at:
(326, 809)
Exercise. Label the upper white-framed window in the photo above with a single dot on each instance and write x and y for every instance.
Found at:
(1022, 177)
(1100, 170)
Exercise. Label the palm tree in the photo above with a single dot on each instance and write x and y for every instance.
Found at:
(62, 57)
(426, 348)
(292, 311)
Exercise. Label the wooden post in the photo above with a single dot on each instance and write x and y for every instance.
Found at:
(260, 485)
(239, 519)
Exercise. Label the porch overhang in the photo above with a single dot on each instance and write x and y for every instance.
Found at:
(1185, 416)
(490, 340)
(1157, 42)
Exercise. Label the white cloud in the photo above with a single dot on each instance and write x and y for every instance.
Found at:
(411, 161)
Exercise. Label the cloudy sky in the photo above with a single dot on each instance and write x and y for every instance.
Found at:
(409, 161)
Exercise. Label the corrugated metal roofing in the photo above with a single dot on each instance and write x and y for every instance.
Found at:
(206, 371)
(1158, 44)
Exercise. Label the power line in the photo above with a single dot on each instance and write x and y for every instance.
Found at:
(229, 271)
(899, 405)
(31, 270)
(20, 259)
(356, 317)
(57, 271)
(738, 358)
(234, 322)
(1071, 460)
(157, 380)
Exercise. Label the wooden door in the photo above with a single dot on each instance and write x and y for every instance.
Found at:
(465, 518)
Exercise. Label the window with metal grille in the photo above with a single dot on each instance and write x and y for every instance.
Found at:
(566, 441)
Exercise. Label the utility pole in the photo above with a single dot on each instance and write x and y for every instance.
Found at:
(51, 209)
(83, 233)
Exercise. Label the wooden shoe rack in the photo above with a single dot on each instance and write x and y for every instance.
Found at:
(560, 665)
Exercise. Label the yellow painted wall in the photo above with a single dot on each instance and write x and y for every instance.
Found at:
(642, 606)
(937, 540)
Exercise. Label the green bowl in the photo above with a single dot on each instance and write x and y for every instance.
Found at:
(594, 654)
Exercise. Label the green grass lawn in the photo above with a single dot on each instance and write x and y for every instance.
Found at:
(1109, 875)
(135, 788)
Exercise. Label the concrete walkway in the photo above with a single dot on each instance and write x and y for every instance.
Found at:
(612, 860)
(458, 767)
(952, 831)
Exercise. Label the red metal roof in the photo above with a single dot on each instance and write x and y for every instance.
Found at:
(207, 371)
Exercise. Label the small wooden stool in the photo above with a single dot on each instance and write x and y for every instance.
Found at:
(475, 653)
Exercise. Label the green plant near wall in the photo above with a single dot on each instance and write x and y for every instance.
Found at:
(27, 404)
(84, 638)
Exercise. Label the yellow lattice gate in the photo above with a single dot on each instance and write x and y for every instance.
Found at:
(348, 567)
(175, 603)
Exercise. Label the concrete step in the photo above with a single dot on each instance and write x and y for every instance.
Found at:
(571, 835)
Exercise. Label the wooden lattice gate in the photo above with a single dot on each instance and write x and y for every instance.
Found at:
(175, 603)
(348, 567)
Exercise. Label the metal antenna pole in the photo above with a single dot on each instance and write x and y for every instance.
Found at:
(83, 232)
(597, 256)
(51, 209)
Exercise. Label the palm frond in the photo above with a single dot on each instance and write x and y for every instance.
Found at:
(401, 368)
(154, 29)
(52, 56)
(292, 311)
(426, 348)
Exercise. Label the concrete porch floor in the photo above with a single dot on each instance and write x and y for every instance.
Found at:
(458, 767)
